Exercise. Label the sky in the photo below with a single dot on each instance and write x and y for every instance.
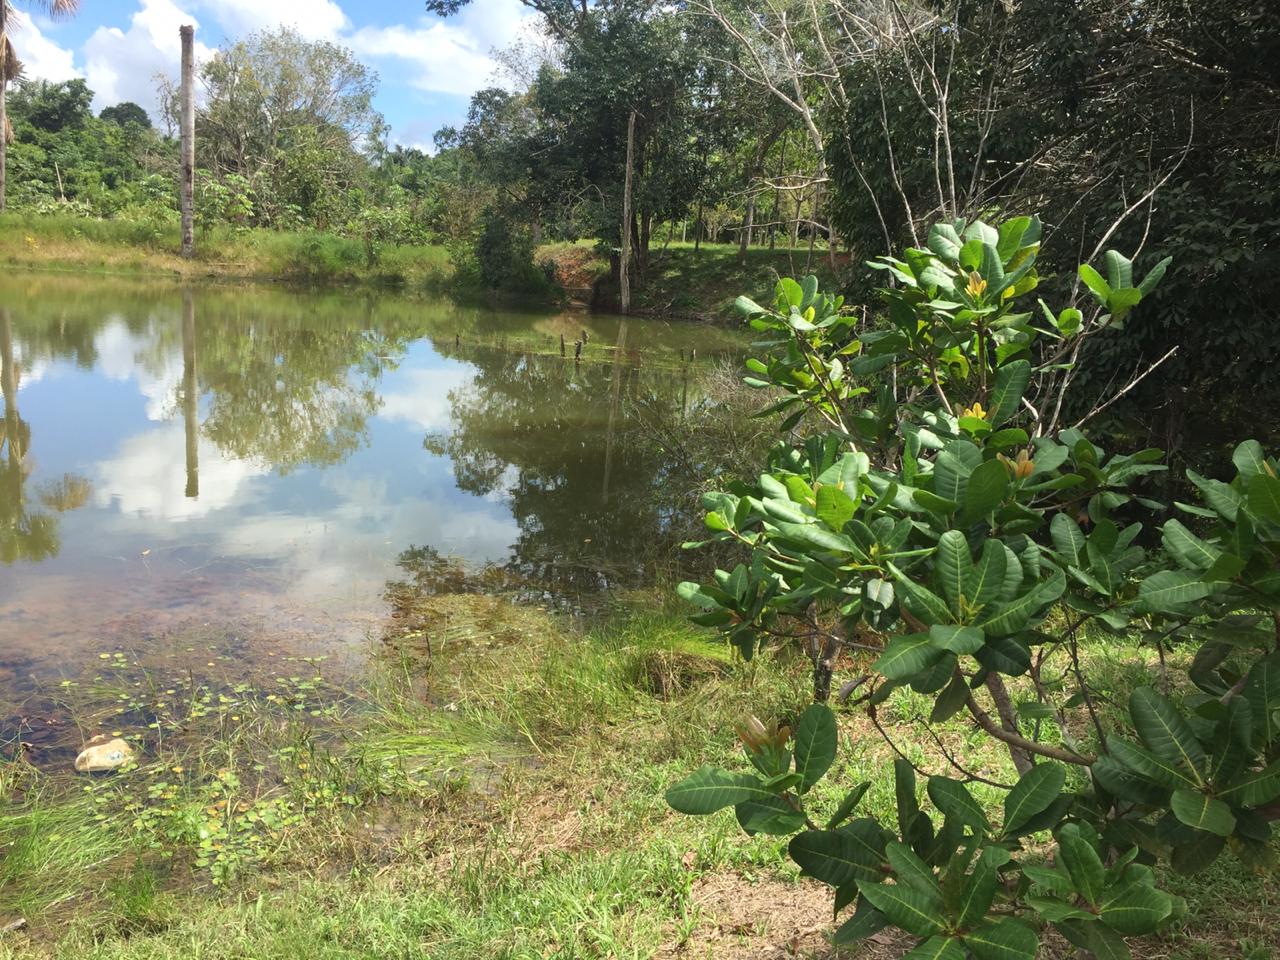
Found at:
(428, 67)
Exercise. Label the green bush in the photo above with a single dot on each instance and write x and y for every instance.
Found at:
(950, 520)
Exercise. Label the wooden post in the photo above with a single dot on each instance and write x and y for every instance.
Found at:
(188, 134)
(624, 267)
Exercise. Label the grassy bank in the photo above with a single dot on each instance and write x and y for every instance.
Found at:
(81, 244)
(493, 788)
(681, 281)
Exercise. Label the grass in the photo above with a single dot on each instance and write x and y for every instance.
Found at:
(499, 796)
(65, 242)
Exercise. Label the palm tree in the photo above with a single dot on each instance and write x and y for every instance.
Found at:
(11, 67)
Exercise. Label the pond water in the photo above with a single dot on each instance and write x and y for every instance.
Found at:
(257, 461)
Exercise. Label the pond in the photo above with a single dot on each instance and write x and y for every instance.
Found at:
(256, 463)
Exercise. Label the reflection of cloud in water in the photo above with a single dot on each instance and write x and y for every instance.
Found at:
(120, 357)
(421, 397)
(147, 477)
(356, 539)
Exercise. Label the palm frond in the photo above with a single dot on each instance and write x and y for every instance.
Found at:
(61, 8)
(10, 65)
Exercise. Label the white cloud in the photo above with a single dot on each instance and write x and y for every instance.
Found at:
(455, 56)
(316, 19)
(148, 476)
(421, 397)
(41, 57)
(122, 64)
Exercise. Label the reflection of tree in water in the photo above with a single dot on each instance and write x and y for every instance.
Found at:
(291, 393)
(553, 438)
(26, 533)
(283, 381)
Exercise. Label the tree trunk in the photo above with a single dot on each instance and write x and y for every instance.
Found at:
(1008, 714)
(187, 33)
(4, 120)
(744, 240)
(190, 394)
(642, 250)
(624, 263)
(824, 654)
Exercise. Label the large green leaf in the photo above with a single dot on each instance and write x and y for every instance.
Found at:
(865, 921)
(1203, 812)
(817, 536)
(959, 640)
(1096, 938)
(936, 948)
(1135, 909)
(1262, 691)
(1172, 592)
(834, 507)
(815, 747)
(834, 856)
(951, 469)
(985, 491)
(1188, 549)
(710, 789)
(1097, 286)
(1249, 459)
(848, 804)
(1003, 939)
(1006, 395)
(1166, 733)
(1082, 862)
(1169, 774)
(1068, 540)
(1264, 497)
(980, 887)
(1008, 618)
(1255, 787)
(921, 602)
(916, 912)
(910, 869)
(954, 800)
(773, 816)
(950, 701)
(952, 564)
(985, 582)
(1034, 791)
(907, 656)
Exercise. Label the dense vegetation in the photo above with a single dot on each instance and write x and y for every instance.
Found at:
(948, 517)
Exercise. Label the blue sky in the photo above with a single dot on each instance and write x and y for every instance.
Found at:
(428, 67)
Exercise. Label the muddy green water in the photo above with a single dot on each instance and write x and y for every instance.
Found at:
(253, 462)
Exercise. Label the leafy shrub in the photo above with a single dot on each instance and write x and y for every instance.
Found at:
(949, 520)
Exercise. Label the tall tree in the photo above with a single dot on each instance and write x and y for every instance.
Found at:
(11, 66)
(291, 116)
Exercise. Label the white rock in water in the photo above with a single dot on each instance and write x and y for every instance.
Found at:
(102, 753)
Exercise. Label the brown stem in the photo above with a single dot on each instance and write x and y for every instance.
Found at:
(1022, 743)
(1008, 720)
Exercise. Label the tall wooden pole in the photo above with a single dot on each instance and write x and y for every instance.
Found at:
(188, 134)
(624, 267)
